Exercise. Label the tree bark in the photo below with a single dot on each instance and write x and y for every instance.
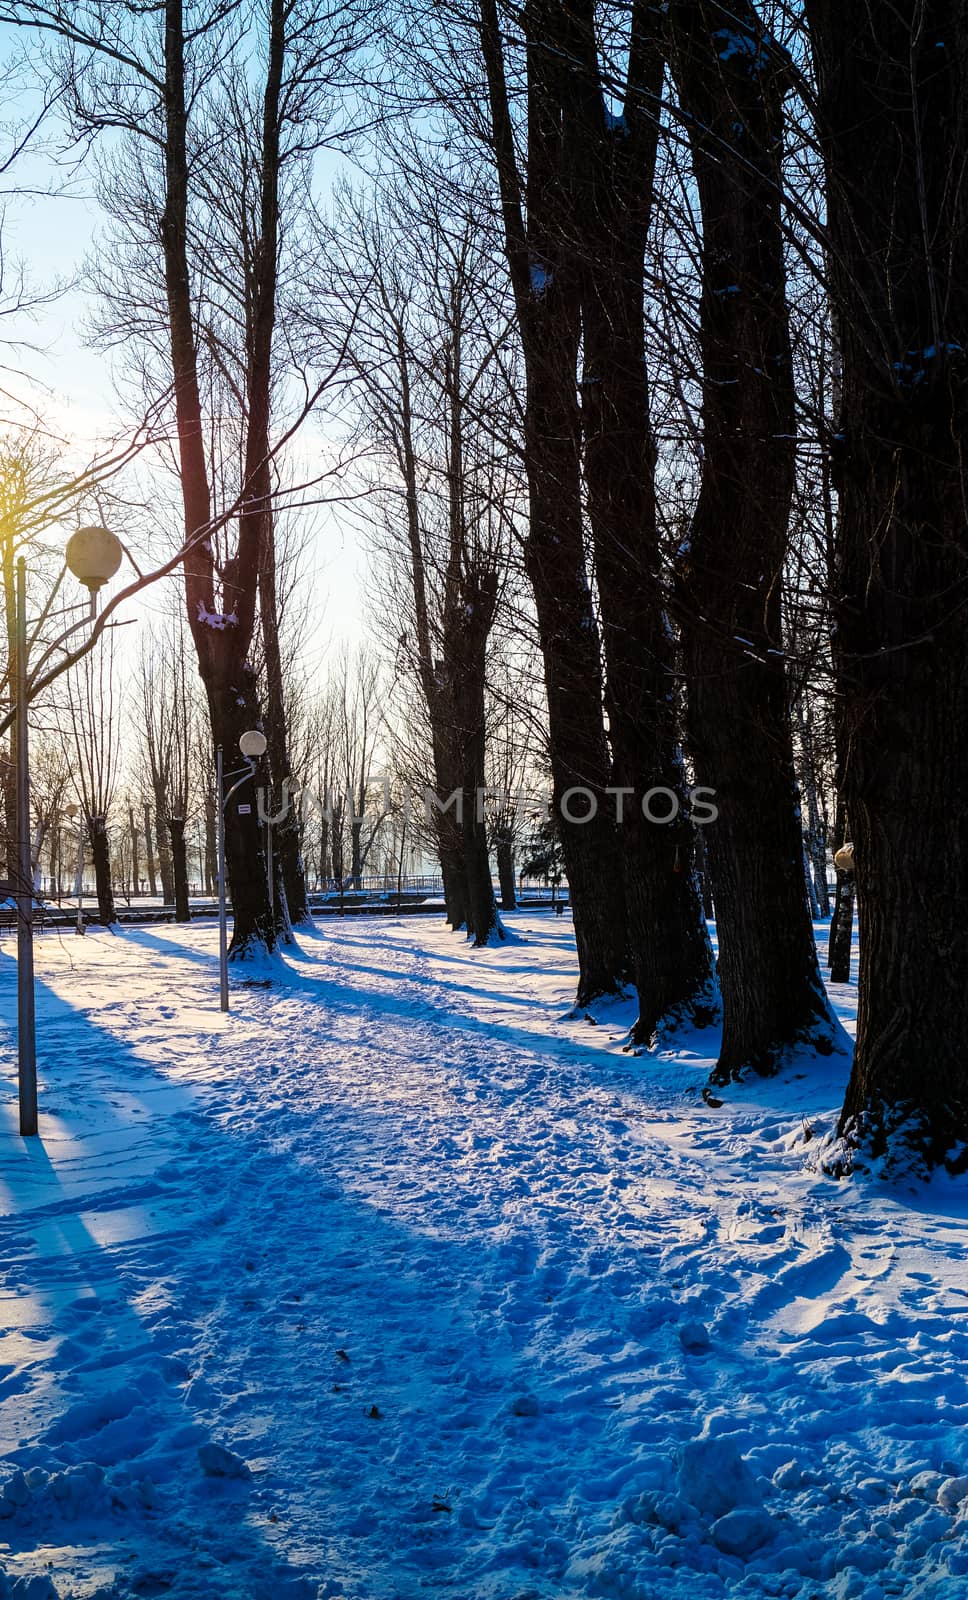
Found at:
(812, 900)
(234, 708)
(816, 840)
(149, 852)
(162, 845)
(179, 868)
(324, 861)
(893, 99)
(702, 872)
(450, 853)
(98, 835)
(470, 602)
(841, 937)
(730, 576)
(135, 865)
(356, 847)
(504, 850)
(287, 832)
(469, 632)
(839, 839)
(211, 844)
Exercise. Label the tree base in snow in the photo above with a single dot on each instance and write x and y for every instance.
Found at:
(256, 959)
(825, 1037)
(898, 1142)
(702, 1010)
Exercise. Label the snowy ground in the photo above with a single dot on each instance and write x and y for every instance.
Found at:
(399, 1281)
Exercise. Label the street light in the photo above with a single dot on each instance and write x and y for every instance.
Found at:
(252, 745)
(93, 555)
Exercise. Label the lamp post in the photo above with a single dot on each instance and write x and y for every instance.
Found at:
(252, 744)
(26, 1031)
(93, 555)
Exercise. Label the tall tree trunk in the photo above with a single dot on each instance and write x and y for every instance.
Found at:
(470, 600)
(447, 824)
(477, 601)
(450, 854)
(234, 708)
(324, 861)
(893, 100)
(545, 281)
(504, 850)
(56, 835)
(162, 844)
(287, 833)
(179, 868)
(211, 844)
(356, 848)
(702, 872)
(135, 864)
(730, 577)
(839, 839)
(100, 850)
(222, 634)
(812, 900)
(149, 853)
(816, 833)
(842, 936)
(482, 917)
(612, 165)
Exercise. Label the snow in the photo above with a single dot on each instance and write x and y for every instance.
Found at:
(402, 1279)
(218, 620)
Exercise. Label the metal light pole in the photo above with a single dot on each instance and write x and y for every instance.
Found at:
(252, 745)
(26, 1031)
(93, 555)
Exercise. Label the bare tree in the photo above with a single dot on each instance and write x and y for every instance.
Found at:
(423, 351)
(164, 80)
(358, 702)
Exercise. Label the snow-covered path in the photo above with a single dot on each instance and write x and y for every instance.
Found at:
(458, 1280)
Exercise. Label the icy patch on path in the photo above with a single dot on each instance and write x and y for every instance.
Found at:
(399, 1280)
